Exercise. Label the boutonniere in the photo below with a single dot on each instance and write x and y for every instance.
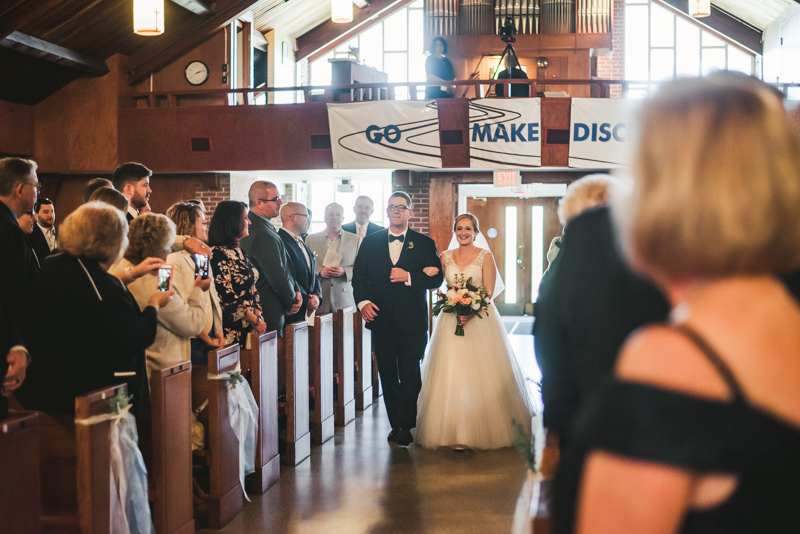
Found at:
(410, 245)
(314, 254)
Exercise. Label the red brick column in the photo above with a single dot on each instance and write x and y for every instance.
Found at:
(613, 67)
(213, 196)
(419, 197)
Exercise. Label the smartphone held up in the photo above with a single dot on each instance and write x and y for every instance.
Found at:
(165, 277)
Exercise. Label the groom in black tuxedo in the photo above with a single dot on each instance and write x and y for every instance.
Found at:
(389, 286)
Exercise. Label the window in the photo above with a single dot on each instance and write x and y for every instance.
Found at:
(660, 45)
(393, 46)
(323, 192)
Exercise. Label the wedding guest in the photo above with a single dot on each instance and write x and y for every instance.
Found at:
(93, 185)
(337, 276)
(18, 265)
(151, 236)
(26, 222)
(133, 181)
(514, 72)
(190, 219)
(235, 277)
(362, 226)
(98, 334)
(589, 302)
(111, 196)
(438, 69)
(295, 221)
(44, 234)
(13, 360)
(699, 429)
(279, 292)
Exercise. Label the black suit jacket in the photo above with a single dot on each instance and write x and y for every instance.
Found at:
(9, 337)
(94, 329)
(592, 303)
(371, 227)
(401, 308)
(39, 243)
(18, 267)
(308, 281)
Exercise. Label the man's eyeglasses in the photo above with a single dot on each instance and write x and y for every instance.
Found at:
(301, 214)
(37, 186)
(401, 208)
(270, 199)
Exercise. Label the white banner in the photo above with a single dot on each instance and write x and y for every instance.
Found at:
(505, 133)
(599, 132)
(387, 134)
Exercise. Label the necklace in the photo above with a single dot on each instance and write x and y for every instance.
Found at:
(458, 256)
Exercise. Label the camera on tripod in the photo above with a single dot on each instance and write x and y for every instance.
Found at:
(508, 30)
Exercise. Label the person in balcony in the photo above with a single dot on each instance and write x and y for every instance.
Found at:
(438, 69)
(513, 72)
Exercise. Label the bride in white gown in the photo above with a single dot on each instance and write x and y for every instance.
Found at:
(472, 386)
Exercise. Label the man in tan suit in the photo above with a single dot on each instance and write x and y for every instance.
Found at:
(335, 251)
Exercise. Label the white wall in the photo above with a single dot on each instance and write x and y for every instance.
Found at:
(281, 66)
(782, 61)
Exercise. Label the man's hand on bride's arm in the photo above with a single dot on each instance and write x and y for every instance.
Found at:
(431, 271)
(369, 311)
(398, 275)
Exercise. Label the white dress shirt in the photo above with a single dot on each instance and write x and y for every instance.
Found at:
(361, 230)
(49, 235)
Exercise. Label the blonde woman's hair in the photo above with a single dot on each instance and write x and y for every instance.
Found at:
(471, 217)
(111, 196)
(716, 188)
(151, 236)
(95, 231)
(582, 194)
(185, 215)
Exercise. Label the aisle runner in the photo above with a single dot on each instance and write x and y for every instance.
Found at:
(385, 135)
(504, 133)
(600, 132)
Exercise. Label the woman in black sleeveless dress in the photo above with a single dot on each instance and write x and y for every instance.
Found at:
(699, 431)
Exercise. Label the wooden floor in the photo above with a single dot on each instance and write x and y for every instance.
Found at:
(359, 483)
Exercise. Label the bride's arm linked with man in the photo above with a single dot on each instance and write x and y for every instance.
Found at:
(392, 273)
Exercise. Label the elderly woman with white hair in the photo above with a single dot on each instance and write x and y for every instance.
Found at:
(95, 335)
(589, 301)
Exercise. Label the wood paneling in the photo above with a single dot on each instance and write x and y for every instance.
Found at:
(242, 138)
(555, 115)
(76, 128)
(454, 115)
(16, 134)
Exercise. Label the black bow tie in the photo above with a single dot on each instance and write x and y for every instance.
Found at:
(400, 238)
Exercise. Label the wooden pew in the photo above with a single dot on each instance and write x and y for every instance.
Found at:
(171, 473)
(19, 473)
(293, 377)
(222, 453)
(260, 367)
(320, 358)
(362, 348)
(344, 366)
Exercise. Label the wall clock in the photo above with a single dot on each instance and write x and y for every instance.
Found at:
(196, 73)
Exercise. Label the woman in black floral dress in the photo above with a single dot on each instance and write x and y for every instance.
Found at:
(234, 275)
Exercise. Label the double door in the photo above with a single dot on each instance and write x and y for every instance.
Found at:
(519, 231)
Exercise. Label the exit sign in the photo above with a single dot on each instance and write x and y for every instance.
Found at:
(507, 178)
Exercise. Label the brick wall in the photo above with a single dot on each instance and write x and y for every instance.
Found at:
(614, 67)
(419, 197)
(213, 196)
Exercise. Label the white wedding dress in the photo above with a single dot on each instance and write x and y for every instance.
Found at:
(472, 386)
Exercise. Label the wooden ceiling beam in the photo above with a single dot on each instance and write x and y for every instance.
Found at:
(731, 27)
(24, 13)
(176, 41)
(329, 34)
(54, 54)
(198, 7)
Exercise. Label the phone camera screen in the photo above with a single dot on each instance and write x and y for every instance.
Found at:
(201, 265)
(163, 278)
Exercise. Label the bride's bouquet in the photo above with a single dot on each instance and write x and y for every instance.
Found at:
(463, 298)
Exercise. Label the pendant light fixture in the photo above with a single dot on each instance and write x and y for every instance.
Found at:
(342, 11)
(148, 17)
(699, 8)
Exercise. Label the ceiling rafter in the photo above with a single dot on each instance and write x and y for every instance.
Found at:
(23, 13)
(59, 55)
(731, 27)
(178, 40)
(198, 7)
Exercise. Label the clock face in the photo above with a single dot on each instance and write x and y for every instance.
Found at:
(196, 73)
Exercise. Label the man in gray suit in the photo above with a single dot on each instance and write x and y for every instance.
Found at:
(336, 252)
(280, 294)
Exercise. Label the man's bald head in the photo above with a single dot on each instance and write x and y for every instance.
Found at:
(264, 199)
(294, 217)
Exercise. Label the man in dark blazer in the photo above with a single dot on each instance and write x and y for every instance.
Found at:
(390, 288)
(280, 294)
(43, 238)
(294, 217)
(18, 267)
(133, 181)
(362, 226)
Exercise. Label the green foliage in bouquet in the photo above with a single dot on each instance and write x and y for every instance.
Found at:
(525, 446)
(463, 298)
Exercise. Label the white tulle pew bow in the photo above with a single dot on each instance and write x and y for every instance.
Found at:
(243, 414)
(129, 507)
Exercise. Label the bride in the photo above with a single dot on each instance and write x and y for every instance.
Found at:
(472, 386)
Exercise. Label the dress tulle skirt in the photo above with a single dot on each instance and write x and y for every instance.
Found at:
(472, 387)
